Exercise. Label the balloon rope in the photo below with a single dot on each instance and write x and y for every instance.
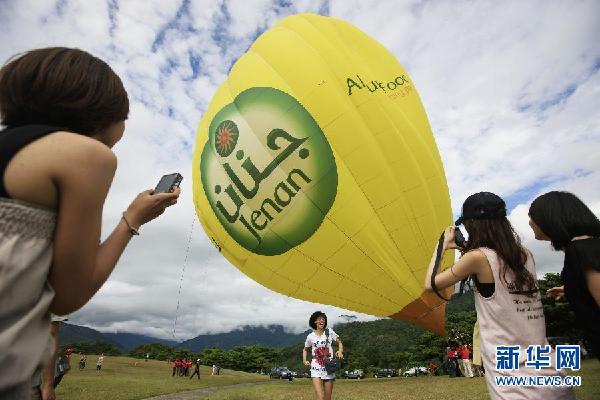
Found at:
(187, 252)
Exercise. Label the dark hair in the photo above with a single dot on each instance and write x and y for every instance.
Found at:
(67, 88)
(498, 234)
(563, 216)
(312, 321)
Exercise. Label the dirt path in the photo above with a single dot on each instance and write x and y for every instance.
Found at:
(201, 393)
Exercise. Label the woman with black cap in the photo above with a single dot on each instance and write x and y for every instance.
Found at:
(564, 220)
(509, 309)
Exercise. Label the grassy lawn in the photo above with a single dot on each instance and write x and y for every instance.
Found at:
(121, 379)
(420, 388)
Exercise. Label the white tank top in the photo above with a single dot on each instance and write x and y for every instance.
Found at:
(508, 319)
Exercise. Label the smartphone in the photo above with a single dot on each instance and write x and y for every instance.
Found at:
(167, 183)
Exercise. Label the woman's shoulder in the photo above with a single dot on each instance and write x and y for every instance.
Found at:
(69, 147)
(584, 252)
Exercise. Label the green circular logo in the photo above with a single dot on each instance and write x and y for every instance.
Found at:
(268, 171)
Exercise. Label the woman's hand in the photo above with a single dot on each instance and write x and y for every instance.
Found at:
(306, 363)
(147, 206)
(339, 354)
(449, 242)
(556, 293)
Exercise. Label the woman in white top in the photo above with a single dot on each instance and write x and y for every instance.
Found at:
(319, 341)
(509, 309)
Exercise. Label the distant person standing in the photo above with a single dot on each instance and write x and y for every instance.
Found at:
(196, 369)
(183, 367)
(451, 365)
(100, 363)
(464, 362)
(175, 367)
(82, 362)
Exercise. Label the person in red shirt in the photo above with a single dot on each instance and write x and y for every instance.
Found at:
(176, 365)
(464, 363)
(432, 368)
(183, 369)
(451, 366)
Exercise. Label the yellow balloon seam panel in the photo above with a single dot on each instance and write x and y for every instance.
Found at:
(317, 175)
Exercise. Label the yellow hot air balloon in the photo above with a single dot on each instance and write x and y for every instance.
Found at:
(316, 173)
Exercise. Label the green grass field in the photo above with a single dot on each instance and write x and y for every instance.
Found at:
(120, 379)
(420, 388)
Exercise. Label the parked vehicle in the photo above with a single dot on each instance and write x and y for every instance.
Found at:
(385, 373)
(356, 374)
(415, 371)
(280, 373)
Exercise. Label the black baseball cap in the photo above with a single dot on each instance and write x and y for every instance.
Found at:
(482, 205)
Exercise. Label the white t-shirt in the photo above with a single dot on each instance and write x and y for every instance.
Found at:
(321, 351)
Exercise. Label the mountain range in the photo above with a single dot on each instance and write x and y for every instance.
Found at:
(272, 336)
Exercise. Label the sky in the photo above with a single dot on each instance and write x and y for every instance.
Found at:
(511, 90)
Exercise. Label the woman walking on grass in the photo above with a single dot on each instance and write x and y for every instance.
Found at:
(319, 342)
(508, 302)
(565, 221)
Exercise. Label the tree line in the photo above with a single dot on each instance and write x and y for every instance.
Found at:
(370, 345)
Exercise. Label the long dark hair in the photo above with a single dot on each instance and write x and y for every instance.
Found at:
(563, 216)
(498, 234)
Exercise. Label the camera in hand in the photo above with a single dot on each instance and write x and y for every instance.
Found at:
(459, 238)
(168, 182)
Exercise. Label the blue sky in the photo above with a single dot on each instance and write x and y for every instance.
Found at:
(511, 90)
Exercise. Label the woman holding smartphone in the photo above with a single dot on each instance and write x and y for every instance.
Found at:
(571, 227)
(63, 110)
(319, 343)
(508, 302)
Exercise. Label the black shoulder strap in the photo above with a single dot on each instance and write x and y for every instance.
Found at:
(436, 267)
(14, 139)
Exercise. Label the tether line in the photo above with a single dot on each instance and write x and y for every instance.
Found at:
(187, 252)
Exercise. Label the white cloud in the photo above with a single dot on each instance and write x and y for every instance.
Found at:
(490, 76)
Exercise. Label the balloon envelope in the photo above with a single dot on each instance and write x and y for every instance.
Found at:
(316, 173)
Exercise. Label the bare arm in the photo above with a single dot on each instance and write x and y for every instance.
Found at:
(305, 356)
(48, 371)
(471, 263)
(78, 261)
(340, 352)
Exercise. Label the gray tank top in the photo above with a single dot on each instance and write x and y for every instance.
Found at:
(26, 233)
